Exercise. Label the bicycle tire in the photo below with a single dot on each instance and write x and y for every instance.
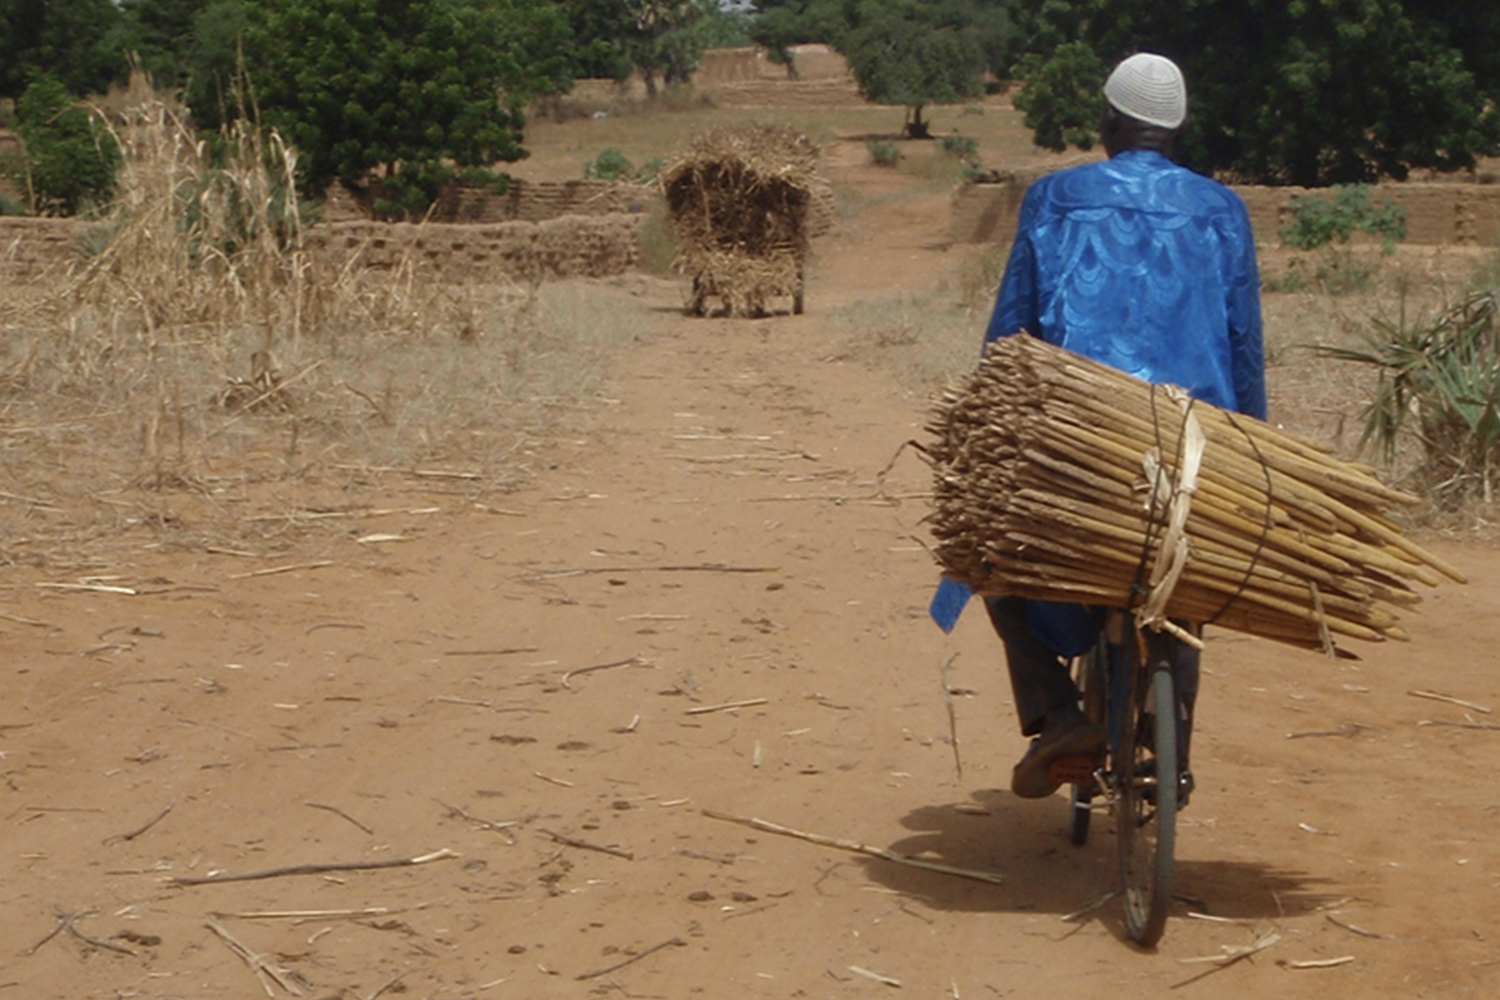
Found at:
(1147, 806)
(1090, 678)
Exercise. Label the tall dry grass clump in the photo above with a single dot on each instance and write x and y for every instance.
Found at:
(207, 339)
(209, 351)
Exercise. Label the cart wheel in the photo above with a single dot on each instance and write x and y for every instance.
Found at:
(1147, 818)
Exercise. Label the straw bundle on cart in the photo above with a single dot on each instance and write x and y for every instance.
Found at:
(744, 203)
(1059, 478)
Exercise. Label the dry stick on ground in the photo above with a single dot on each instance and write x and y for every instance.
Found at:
(679, 942)
(67, 922)
(627, 662)
(1460, 725)
(1434, 696)
(726, 706)
(315, 869)
(118, 838)
(994, 878)
(318, 564)
(339, 812)
(490, 652)
(259, 964)
(585, 845)
(693, 568)
(947, 661)
(484, 824)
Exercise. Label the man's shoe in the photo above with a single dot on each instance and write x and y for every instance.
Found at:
(1069, 735)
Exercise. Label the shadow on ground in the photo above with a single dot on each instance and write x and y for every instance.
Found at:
(1027, 843)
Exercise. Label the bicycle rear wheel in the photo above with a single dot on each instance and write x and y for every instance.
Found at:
(1147, 806)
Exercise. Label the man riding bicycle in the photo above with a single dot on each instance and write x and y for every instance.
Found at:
(1150, 268)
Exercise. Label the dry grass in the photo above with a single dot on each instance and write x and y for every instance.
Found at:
(204, 353)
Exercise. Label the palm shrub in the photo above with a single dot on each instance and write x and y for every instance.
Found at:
(1443, 376)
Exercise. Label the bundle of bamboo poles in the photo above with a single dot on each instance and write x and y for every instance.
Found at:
(1044, 464)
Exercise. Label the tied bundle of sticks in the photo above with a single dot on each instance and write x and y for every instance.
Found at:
(744, 203)
(1062, 479)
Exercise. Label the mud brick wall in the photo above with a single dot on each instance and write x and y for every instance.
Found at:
(537, 201)
(1437, 214)
(570, 247)
(573, 246)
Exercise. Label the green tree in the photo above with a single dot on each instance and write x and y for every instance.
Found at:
(915, 53)
(403, 90)
(79, 42)
(71, 158)
(1305, 92)
(160, 34)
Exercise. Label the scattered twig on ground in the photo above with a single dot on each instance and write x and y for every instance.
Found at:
(943, 665)
(369, 911)
(690, 568)
(339, 812)
(726, 706)
(118, 838)
(313, 628)
(858, 971)
(994, 878)
(20, 620)
(258, 963)
(315, 869)
(1090, 906)
(1320, 963)
(585, 845)
(1459, 725)
(388, 986)
(552, 780)
(98, 588)
(1235, 952)
(272, 571)
(68, 922)
(484, 824)
(629, 661)
(1433, 695)
(490, 652)
(1352, 729)
(1355, 928)
(678, 942)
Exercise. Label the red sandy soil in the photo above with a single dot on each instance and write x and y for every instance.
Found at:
(724, 536)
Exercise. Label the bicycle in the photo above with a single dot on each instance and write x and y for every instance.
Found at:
(1136, 697)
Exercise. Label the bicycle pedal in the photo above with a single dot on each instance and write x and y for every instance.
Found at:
(1072, 769)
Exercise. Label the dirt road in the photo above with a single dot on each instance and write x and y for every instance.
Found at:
(714, 602)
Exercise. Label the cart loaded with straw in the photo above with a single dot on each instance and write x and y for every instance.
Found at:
(1062, 479)
(745, 203)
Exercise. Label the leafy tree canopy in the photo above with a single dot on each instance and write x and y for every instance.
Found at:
(403, 88)
(908, 52)
(1306, 92)
(81, 43)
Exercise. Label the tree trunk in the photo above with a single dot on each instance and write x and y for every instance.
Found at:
(916, 128)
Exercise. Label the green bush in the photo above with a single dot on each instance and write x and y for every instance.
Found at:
(883, 152)
(960, 147)
(71, 159)
(1318, 221)
(609, 165)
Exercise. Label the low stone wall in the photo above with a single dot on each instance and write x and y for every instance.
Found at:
(525, 201)
(569, 247)
(572, 246)
(1437, 213)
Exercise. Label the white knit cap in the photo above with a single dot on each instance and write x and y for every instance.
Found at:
(1148, 87)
